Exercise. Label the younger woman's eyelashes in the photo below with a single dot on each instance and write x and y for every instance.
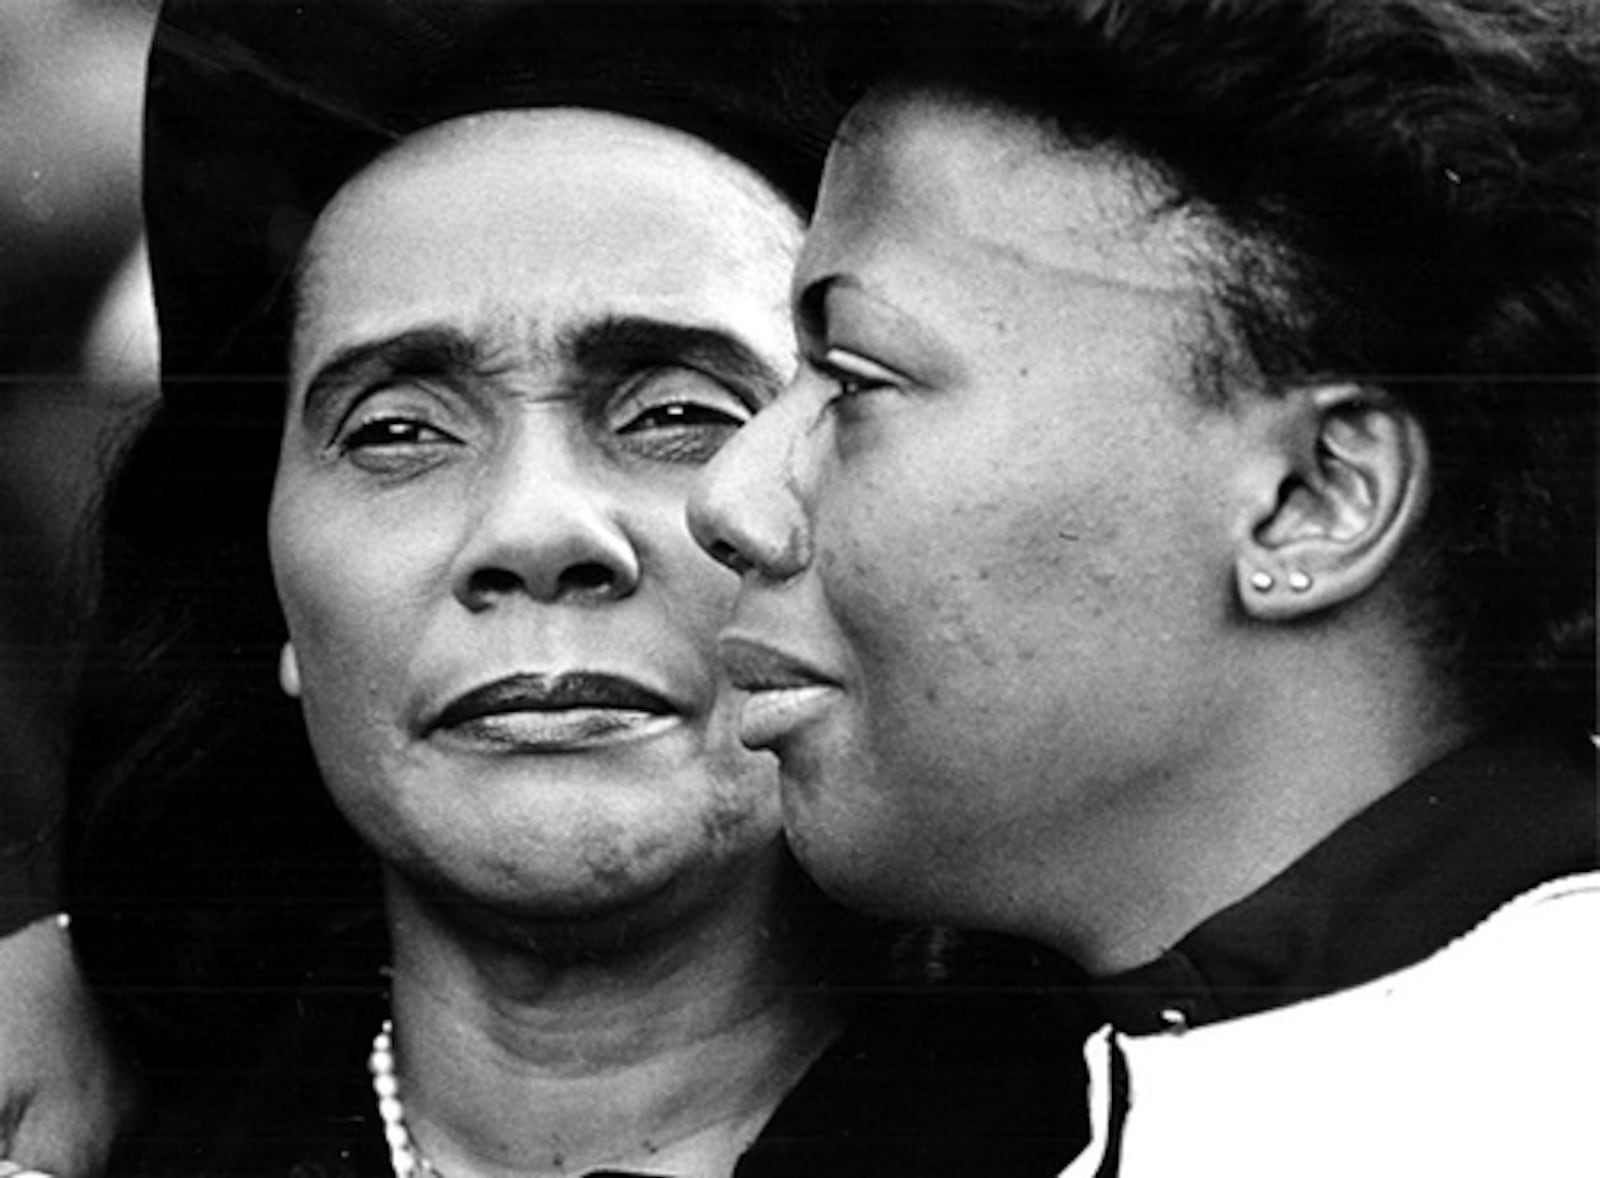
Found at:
(855, 375)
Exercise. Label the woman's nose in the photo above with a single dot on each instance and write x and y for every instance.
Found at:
(748, 509)
(546, 527)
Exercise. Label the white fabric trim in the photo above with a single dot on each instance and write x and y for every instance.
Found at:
(1484, 1059)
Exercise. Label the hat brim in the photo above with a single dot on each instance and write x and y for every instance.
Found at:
(257, 112)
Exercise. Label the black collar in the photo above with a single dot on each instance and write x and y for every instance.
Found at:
(1400, 880)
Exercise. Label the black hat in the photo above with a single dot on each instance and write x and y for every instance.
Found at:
(258, 110)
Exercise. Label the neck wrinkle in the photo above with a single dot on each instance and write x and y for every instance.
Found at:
(512, 1065)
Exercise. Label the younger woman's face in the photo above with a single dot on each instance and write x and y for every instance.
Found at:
(984, 535)
(519, 337)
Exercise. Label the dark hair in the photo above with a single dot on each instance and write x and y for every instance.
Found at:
(1406, 194)
(206, 862)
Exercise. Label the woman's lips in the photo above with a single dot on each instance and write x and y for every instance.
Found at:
(785, 694)
(771, 714)
(553, 713)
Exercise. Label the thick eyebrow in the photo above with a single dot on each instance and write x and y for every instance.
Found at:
(623, 342)
(423, 352)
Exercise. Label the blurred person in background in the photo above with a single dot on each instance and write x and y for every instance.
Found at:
(77, 366)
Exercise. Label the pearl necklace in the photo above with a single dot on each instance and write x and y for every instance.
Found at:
(405, 1156)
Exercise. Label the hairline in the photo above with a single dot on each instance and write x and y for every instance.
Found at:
(472, 131)
(1242, 274)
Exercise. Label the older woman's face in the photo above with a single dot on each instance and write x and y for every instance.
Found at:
(519, 337)
(982, 533)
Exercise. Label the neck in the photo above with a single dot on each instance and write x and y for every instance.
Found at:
(668, 1055)
(1314, 744)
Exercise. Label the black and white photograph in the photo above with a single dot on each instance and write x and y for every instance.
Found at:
(799, 588)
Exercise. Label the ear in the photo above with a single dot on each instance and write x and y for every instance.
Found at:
(289, 671)
(1344, 480)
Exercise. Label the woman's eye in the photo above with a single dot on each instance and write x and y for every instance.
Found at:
(677, 415)
(683, 415)
(855, 375)
(391, 444)
(389, 431)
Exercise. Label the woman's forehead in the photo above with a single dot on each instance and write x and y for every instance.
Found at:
(509, 154)
(549, 206)
(938, 166)
(518, 254)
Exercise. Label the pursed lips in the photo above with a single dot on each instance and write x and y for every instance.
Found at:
(537, 712)
(785, 693)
